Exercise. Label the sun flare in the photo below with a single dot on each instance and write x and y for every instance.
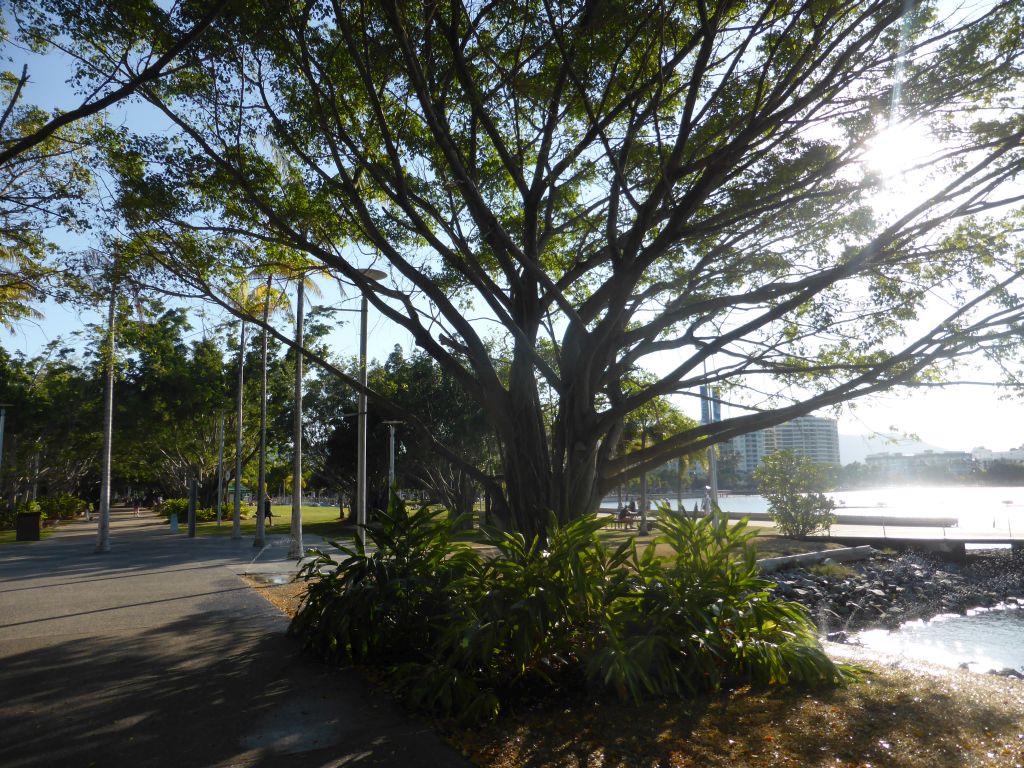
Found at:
(899, 149)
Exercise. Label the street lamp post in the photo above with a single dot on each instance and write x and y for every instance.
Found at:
(370, 274)
(103, 526)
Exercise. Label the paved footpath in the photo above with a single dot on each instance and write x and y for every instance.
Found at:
(157, 654)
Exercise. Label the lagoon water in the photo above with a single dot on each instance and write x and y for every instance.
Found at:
(976, 507)
(984, 640)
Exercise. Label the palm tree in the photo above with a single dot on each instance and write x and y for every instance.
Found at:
(249, 302)
(272, 300)
(236, 515)
(295, 546)
(114, 269)
(240, 295)
(261, 493)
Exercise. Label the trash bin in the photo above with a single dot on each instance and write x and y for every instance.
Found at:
(173, 521)
(26, 526)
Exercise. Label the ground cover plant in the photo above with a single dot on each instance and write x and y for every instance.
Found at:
(459, 633)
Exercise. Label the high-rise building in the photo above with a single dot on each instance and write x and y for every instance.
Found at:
(814, 437)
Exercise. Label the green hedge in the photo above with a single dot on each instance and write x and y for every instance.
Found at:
(203, 514)
(63, 507)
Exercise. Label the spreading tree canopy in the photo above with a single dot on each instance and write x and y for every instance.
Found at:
(679, 187)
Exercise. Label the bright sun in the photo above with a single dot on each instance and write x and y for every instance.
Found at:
(899, 149)
(906, 159)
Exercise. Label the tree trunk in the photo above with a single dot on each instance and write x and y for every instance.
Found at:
(261, 491)
(220, 467)
(525, 453)
(236, 530)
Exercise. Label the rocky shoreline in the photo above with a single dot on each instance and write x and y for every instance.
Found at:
(890, 589)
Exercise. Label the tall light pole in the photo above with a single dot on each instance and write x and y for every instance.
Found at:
(391, 448)
(103, 525)
(369, 274)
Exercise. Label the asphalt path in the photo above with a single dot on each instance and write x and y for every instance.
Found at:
(157, 654)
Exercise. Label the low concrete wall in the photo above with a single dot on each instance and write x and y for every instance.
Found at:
(845, 555)
(846, 519)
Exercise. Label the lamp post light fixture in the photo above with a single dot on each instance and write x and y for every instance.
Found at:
(369, 274)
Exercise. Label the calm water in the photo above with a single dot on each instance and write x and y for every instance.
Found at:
(1000, 508)
(984, 640)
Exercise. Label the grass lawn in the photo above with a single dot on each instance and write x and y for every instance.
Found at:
(9, 537)
(768, 542)
(323, 521)
(317, 521)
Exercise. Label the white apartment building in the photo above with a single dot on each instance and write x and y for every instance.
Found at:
(985, 457)
(895, 466)
(815, 437)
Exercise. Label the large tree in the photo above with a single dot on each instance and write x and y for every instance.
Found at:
(678, 186)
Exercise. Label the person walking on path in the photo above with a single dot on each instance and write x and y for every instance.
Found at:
(135, 507)
(268, 513)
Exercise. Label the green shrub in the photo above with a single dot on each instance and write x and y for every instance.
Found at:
(459, 634)
(704, 617)
(8, 517)
(30, 507)
(380, 607)
(169, 507)
(794, 487)
(9, 514)
(63, 507)
(203, 514)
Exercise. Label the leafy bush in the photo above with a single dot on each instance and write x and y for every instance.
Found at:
(379, 607)
(30, 507)
(227, 511)
(169, 507)
(9, 514)
(63, 507)
(705, 617)
(460, 634)
(203, 514)
(794, 487)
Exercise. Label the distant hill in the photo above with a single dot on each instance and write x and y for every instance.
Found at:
(855, 447)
